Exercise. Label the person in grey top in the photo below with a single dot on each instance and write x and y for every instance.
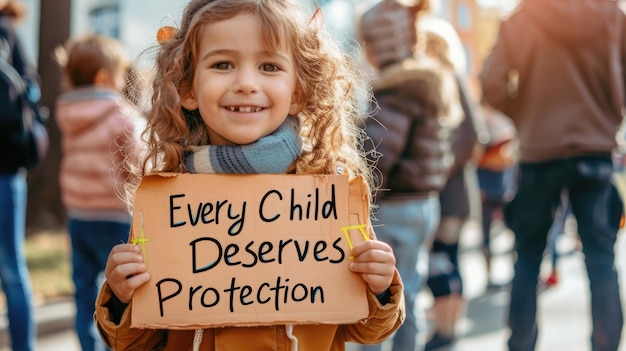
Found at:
(557, 70)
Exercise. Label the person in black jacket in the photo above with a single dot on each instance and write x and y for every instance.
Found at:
(13, 269)
(415, 110)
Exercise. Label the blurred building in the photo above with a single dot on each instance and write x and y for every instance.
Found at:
(135, 22)
(477, 23)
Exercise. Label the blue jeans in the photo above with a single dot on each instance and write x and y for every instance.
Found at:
(407, 226)
(595, 204)
(13, 268)
(91, 243)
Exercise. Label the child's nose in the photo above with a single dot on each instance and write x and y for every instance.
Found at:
(246, 81)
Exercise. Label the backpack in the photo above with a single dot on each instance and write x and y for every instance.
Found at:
(23, 134)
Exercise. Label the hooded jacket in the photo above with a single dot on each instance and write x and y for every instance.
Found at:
(98, 130)
(380, 324)
(557, 70)
(414, 145)
(417, 104)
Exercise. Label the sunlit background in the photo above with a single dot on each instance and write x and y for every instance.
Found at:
(135, 22)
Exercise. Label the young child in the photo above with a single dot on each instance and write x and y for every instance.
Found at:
(252, 77)
(98, 131)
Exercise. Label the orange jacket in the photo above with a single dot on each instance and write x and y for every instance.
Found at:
(381, 323)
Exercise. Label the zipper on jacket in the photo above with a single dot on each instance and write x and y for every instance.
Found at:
(290, 336)
(197, 339)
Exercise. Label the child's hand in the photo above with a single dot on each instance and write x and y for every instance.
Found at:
(375, 262)
(125, 271)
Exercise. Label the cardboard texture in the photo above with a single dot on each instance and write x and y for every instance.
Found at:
(228, 250)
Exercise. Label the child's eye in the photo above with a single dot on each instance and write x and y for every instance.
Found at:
(223, 65)
(270, 67)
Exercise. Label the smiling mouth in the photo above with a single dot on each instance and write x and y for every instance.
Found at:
(244, 109)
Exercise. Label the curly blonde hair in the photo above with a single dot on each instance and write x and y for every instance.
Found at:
(330, 89)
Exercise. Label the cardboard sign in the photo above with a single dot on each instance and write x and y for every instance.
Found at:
(248, 250)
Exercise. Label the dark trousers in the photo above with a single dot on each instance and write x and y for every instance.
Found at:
(596, 205)
(91, 243)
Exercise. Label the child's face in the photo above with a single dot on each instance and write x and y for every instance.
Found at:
(243, 91)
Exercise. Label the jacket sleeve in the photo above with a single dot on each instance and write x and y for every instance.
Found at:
(494, 78)
(382, 320)
(121, 336)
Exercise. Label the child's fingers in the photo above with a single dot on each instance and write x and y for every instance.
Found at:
(369, 245)
(375, 268)
(375, 261)
(373, 251)
(124, 248)
(124, 253)
(375, 272)
(378, 277)
(377, 283)
(125, 278)
(125, 288)
(121, 254)
(125, 271)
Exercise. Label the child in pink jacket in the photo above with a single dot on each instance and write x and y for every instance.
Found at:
(98, 128)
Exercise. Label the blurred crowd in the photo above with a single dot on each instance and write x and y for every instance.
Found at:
(543, 130)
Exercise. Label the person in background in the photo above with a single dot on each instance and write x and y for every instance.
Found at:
(444, 278)
(557, 69)
(496, 171)
(417, 107)
(13, 189)
(99, 134)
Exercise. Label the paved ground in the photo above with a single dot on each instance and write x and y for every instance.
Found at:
(563, 313)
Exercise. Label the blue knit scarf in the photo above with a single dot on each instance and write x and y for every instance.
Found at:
(271, 154)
